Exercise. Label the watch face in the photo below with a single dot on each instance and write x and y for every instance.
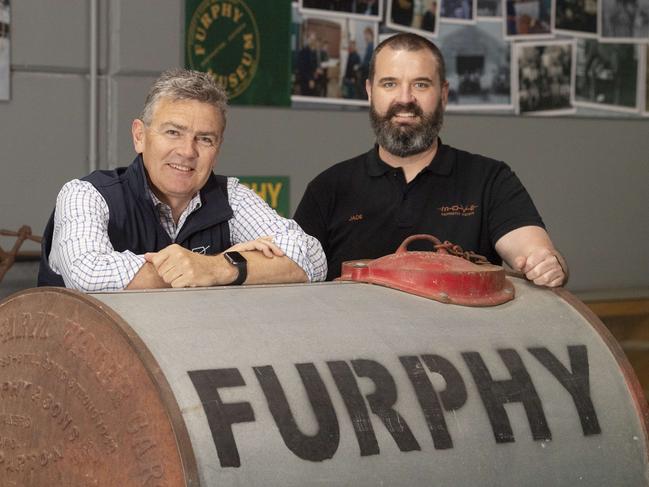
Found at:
(223, 40)
(234, 257)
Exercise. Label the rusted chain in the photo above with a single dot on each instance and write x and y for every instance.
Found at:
(445, 247)
(458, 251)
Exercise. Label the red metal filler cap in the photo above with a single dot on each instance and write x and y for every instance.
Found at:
(464, 278)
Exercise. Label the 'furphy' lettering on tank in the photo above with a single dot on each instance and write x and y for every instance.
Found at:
(434, 404)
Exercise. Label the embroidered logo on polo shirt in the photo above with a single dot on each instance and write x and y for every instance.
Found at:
(458, 210)
(356, 217)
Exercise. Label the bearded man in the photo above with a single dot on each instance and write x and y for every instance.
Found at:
(412, 183)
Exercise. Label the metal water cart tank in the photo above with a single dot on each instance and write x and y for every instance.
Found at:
(340, 383)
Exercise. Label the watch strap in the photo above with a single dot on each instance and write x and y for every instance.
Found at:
(242, 267)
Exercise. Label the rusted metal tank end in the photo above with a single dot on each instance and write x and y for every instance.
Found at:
(82, 400)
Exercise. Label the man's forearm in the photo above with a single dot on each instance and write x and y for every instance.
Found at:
(274, 270)
(147, 278)
(176, 266)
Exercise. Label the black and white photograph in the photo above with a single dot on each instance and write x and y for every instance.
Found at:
(421, 17)
(528, 19)
(331, 59)
(477, 66)
(607, 75)
(5, 50)
(576, 18)
(360, 9)
(491, 10)
(458, 11)
(624, 20)
(544, 77)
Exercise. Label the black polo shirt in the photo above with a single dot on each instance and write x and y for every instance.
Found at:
(363, 208)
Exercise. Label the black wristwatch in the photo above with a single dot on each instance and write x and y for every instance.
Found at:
(240, 262)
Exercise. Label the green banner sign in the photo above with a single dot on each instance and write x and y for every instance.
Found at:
(244, 44)
(274, 190)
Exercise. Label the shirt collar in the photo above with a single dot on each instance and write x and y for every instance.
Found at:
(193, 204)
(442, 164)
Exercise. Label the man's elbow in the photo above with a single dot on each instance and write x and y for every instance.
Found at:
(90, 276)
(73, 281)
(295, 273)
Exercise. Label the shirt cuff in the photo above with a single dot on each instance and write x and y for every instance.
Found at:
(305, 251)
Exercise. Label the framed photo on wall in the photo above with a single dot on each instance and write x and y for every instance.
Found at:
(543, 74)
(5, 50)
(490, 10)
(528, 19)
(358, 9)
(458, 11)
(577, 18)
(607, 76)
(624, 20)
(478, 66)
(420, 17)
(331, 58)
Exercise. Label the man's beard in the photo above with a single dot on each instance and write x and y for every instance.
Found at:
(407, 140)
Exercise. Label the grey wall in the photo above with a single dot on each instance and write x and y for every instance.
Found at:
(589, 177)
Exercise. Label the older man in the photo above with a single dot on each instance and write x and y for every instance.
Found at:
(411, 183)
(167, 219)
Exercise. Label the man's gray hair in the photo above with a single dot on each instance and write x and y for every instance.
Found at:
(184, 84)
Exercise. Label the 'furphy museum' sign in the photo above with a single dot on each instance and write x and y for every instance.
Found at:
(244, 44)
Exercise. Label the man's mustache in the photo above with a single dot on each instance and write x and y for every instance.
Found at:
(410, 107)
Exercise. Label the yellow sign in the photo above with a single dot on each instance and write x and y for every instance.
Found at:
(274, 190)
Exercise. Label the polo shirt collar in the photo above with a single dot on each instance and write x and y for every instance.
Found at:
(442, 164)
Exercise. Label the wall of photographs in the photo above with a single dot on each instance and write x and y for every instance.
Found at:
(531, 57)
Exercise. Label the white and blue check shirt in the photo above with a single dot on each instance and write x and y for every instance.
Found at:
(83, 255)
